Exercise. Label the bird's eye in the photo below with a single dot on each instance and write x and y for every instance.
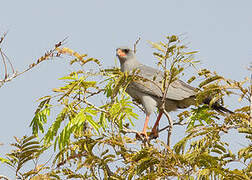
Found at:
(126, 50)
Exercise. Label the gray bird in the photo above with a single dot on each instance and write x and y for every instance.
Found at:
(179, 95)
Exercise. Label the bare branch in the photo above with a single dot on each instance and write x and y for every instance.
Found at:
(139, 137)
(5, 65)
(165, 93)
(49, 54)
(137, 41)
(166, 127)
(127, 130)
(3, 37)
(95, 93)
(12, 68)
(95, 107)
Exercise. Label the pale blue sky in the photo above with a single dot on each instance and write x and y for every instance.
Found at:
(219, 30)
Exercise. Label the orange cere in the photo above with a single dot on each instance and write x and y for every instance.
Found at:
(121, 53)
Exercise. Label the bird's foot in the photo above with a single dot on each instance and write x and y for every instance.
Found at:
(154, 133)
(142, 136)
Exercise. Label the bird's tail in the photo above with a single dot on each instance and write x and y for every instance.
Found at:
(216, 106)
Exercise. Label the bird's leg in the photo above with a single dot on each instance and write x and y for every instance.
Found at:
(146, 125)
(154, 130)
(143, 133)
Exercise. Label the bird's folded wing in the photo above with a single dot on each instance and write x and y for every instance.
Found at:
(151, 84)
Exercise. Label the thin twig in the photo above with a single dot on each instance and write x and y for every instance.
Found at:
(137, 41)
(95, 93)
(170, 128)
(3, 37)
(127, 130)
(166, 127)
(165, 93)
(9, 61)
(95, 107)
(5, 65)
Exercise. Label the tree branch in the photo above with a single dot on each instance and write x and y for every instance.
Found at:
(139, 137)
(166, 127)
(165, 93)
(170, 128)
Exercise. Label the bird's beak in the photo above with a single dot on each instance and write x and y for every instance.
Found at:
(120, 53)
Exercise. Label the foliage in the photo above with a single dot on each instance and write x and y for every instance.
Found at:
(26, 149)
(92, 130)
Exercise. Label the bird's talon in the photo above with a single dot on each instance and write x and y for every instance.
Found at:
(154, 133)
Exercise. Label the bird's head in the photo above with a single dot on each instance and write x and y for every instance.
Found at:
(124, 54)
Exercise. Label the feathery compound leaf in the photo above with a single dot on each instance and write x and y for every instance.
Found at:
(53, 130)
(39, 120)
(209, 80)
(26, 149)
(74, 127)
